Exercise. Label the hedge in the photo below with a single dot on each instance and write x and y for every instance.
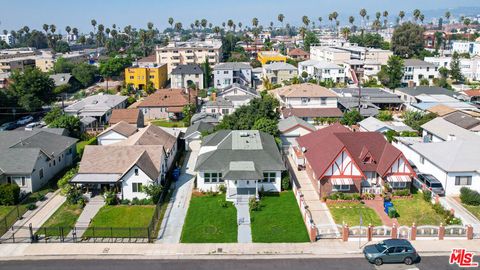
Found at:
(9, 194)
(470, 197)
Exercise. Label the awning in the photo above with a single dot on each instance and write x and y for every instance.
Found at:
(342, 181)
(399, 178)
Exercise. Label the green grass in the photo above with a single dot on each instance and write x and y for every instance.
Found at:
(166, 123)
(416, 210)
(208, 222)
(279, 220)
(121, 221)
(64, 217)
(349, 213)
(5, 209)
(81, 145)
(475, 210)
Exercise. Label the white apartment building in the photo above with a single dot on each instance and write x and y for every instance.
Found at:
(417, 70)
(322, 71)
(189, 52)
(470, 67)
(470, 47)
(226, 74)
(8, 38)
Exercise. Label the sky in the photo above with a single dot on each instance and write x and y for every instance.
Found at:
(34, 13)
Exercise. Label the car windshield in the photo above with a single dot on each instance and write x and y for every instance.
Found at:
(436, 185)
(380, 247)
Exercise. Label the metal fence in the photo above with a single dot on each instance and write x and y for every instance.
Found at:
(10, 218)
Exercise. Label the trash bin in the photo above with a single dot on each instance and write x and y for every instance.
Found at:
(386, 206)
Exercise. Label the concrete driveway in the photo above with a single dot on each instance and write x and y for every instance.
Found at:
(172, 223)
(461, 213)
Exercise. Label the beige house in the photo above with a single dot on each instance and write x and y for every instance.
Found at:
(189, 52)
(184, 76)
(279, 72)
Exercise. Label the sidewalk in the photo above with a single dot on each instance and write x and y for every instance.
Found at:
(172, 223)
(89, 211)
(243, 220)
(37, 217)
(323, 248)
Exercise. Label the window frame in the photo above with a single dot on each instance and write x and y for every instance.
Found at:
(459, 178)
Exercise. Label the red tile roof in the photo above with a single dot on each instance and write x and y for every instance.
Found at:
(472, 93)
(130, 116)
(312, 112)
(298, 52)
(324, 145)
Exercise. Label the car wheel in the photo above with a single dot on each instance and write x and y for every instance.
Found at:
(408, 261)
(378, 262)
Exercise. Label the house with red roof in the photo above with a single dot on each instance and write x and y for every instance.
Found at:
(339, 160)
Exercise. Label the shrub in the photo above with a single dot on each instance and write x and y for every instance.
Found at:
(392, 212)
(74, 195)
(254, 204)
(42, 198)
(125, 202)
(286, 182)
(9, 194)
(154, 192)
(223, 188)
(110, 198)
(66, 178)
(223, 203)
(333, 196)
(427, 195)
(401, 192)
(470, 197)
(356, 196)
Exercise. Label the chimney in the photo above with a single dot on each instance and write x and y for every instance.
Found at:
(451, 137)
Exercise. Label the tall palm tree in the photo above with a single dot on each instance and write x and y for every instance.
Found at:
(223, 24)
(204, 23)
(363, 13)
(255, 22)
(53, 28)
(240, 24)
(378, 15)
(320, 19)
(351, 20)
(45, 28)
(401, 15)
(197, 24)
(345, 32)
(385, 16)
(210, 25)
(271, 26)
(230, 24)
(150, 26)
(416, 14)
(280, 18)
(447, 15)
(68, 29)
(303, 31)
(421, 17)
(335, 16)
(171, 21)
(178, 27)
(306, 21)
(75, 31)
(93, 22)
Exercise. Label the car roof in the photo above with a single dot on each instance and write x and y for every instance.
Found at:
(397, 242)
(431, 178)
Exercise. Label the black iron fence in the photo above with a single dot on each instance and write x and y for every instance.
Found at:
(10, 218)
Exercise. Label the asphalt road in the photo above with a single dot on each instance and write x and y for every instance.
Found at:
(436, 263)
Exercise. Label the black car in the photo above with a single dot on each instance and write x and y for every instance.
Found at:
(431, 183)
(8, 126)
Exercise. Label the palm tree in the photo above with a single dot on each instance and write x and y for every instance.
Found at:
(45, 28)
(401, 14)
(150, 26)
(240, 24)
(320, 19)
(255, 22)
(351, 20)
(416, 14)
(376, 25)
(171, 21)
(335, 16)
(178, 27)
(68, 29)
(93, 22)
(223, 24)
(5, 32)
(422, 17)
(385, 15)
(53, 28)
(26, 29)
(197, 24)
(143, 37)
(192, 25)
(217, 30)
(363, 13)
(345, 32)
(204, 23)
(447, 15)
(230, 24)
(75, 31)
(378, 15)
(280, 18)
(302, 32)
(306, 21)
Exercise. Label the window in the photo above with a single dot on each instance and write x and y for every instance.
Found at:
(341, 187)
(54, 163)
(323, 101)
(40, 173)
(305, 100)
(137, 187)
(213, 177)
(269, 177)
(398, 184)
(132, 77)
(9, 179)
(151, 76)
(463, 180)
(196, 76)
(136, 172)
(225, 111)
(23, 181)
(225, 72)
(59, 159)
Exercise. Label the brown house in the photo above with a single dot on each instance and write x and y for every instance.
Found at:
(130, 116)
(299, 54)
(167, 103)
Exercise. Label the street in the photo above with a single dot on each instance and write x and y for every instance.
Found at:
(437, 263)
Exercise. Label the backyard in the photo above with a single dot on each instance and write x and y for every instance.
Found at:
(416, 210)
(169, 124)
(279, 220)
(349, 213)
(62, 221)
(210, 219)
(121, 221)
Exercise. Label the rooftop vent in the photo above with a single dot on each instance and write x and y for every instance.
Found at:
(244, 134)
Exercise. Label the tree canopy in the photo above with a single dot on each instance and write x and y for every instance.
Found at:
(391, 75)
(85, 73)
(407, 40)
(32, 89)
(351, 118)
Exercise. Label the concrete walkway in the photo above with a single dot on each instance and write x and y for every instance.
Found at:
(319, 210)
(88, 213)
(377, 206)
(243, 221)
(172, 223)
(461, 213)
(38, 216)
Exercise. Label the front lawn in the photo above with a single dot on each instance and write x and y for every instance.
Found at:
(475, 210)
(65, 217)
(416, 210)
(169, 124)
(210, 219)
(349, 213)
(5, 209)
(279, 220)
(121, 221)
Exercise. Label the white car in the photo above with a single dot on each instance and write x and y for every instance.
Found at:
(33, 125)
(25, 120)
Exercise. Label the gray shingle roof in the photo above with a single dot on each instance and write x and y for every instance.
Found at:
(462, 120)
(225, 91)
(61, 78)
(292, 121)
(417, 63)
(198, 127)
(374, 95)
(232, 66)
(240, 146)
(443, 129)
(187, 69)
(280, 66)
(429, 90)
(219, 102)
(205, 117)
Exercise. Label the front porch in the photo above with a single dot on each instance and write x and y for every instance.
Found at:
(241, 190)
(92, 186)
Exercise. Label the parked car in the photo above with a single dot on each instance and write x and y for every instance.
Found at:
(33, 125)
(25, 120)
(8, 126)
(431, 183)
(391, 251)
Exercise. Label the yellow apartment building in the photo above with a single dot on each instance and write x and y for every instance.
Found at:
(139, 76)
(267, 57)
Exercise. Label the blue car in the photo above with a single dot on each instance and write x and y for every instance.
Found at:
(391, 251)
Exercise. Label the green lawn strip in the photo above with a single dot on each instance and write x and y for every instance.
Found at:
(279, 220)
(349, 213)
(81, 144)
(62, 221)
(165, 123)
(208, 221)
(121, 221)
(416, 211)
(475, 210)
(5, 209)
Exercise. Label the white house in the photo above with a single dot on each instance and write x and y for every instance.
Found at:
(193, 135)
(291, 128)
(322, 71)
(31, 158)
(470, 47)
(417, 70)
(372, 124)
(470, 67)
(97, 106)
(116, 133)
(226, 74)
(440, 130)
(184, 76)
(243, 161)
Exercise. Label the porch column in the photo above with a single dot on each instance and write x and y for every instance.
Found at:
(256, 188)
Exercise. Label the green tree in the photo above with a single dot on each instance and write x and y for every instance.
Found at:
(188, 111)
(62, 65)
(416, 119)
(68, 122)
(114, 66)
(351, 118)
(53, 114)
(384, 116)
(85, 73)
(207, 74)
(391, 75)
(424, 82)
(407, 40)
(310, 39)
(455, 71)
(32, 88)
(269, 126)
(150, 88)
(62, 47)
